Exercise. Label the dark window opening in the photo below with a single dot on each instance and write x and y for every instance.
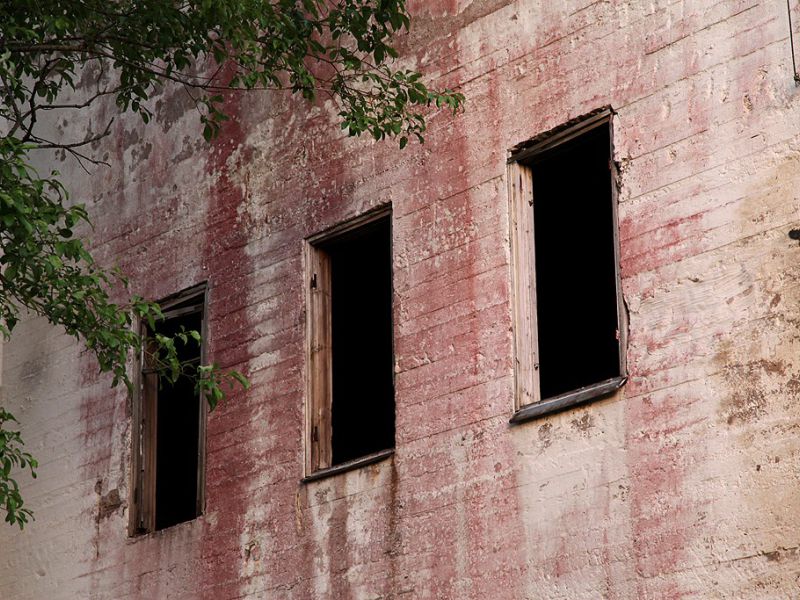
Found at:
(362, 411)
(178, 432)
(351, 406)
(169, 446)
(576, 293)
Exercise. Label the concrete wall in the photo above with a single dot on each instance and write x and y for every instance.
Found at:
(683, 485)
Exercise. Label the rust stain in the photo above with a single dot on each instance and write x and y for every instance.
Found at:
(750, 386)
(583, 424)
(108, 504)
(545, 433)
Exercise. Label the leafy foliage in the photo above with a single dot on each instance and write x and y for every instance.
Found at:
(49, 272)
(210, 46)
(11, 456)
(341, 48)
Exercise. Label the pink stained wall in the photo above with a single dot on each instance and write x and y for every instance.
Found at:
(683, 485)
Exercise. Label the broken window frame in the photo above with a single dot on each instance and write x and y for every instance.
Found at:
(528, 403)
(319, 352)
(144, 451)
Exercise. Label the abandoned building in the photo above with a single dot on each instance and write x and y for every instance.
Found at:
(553, 352)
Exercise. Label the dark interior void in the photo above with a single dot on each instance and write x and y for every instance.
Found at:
(362, 414)
(576, 296)
(178, 433)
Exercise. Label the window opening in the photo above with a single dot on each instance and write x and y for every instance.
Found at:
(352, 360)
(171, 442)
(568, 309)
(576, 295)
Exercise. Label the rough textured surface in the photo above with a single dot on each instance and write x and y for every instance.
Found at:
(683, 485)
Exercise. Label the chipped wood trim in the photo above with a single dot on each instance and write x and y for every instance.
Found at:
(350, 465)
(203, 409)
(135, 477)
(526, 372)
(559, 135)
(355, 223)
(319, 372)
(622, 315)
(568, 400)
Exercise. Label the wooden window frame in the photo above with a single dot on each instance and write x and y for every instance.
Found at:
(142, 518)
(319, 356)
(528, 403)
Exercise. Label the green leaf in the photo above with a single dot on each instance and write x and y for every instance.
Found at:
(241, 379)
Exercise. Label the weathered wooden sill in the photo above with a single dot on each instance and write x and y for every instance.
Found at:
(134, 536)
(350, 465)
(568, 400)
